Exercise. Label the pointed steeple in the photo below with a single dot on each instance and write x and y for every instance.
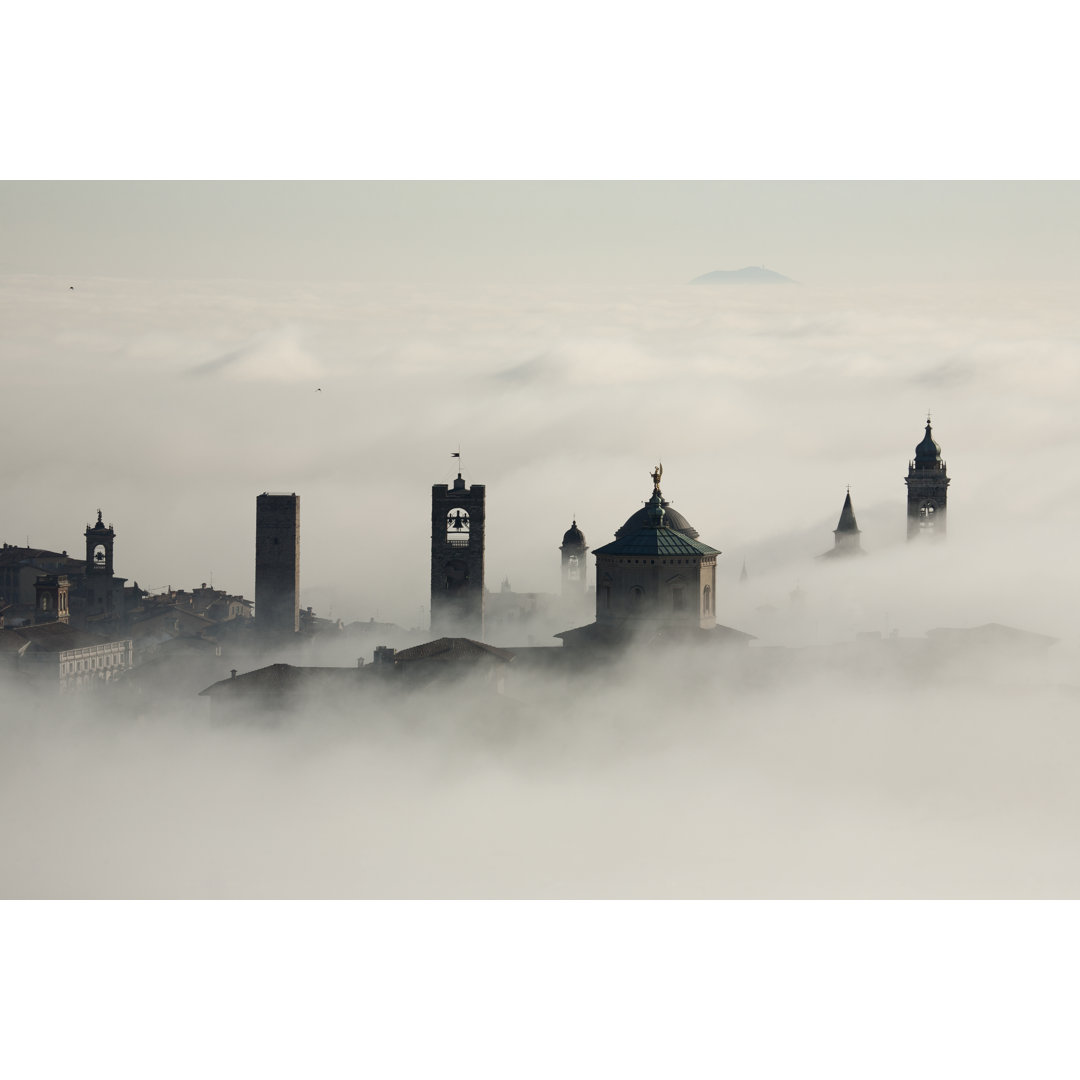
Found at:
(846, 533)
(847, 523)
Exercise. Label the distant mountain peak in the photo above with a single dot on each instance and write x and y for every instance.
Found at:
(752, 275)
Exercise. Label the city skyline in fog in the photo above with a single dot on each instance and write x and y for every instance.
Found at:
(172, 401)
(194, 395)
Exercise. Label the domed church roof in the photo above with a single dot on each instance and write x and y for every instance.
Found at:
(672, 519)
(573, 536)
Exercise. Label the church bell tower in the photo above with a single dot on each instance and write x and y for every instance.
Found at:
(573, 549)
(457, 560)
(927, 489)
(99, 548)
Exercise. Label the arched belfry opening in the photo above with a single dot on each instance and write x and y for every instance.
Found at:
(458, 527)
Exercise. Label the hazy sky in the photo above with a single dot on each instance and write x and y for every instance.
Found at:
(657, 234)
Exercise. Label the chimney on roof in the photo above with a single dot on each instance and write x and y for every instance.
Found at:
(233, 673)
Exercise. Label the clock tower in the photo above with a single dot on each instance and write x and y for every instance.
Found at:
(927, 489)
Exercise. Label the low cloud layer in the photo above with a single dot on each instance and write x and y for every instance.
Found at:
(172, 405)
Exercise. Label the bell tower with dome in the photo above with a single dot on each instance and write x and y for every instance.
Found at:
(573, 549)
(927, 484)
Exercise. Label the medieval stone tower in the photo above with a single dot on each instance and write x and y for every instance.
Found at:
(277, 563)
(457, 560)
(927, 485)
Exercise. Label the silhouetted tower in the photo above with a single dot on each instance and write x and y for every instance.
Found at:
(573, 548)
(51, 598)
(846, 533)
(457, 560)
(99, 549)
(102, 595)
(277, 563)
(927, 485)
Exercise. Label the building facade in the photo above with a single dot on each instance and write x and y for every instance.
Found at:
(54, 655)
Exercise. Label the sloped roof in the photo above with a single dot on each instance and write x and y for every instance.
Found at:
(653, 540)
(59, 637)
(602, 634)
(159, 616)
(13, 555)
(279, 678)
(453, 649)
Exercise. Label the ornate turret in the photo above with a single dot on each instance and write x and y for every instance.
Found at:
(927, 484)
(573, 549)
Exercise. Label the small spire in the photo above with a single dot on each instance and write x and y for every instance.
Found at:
(847, 523)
